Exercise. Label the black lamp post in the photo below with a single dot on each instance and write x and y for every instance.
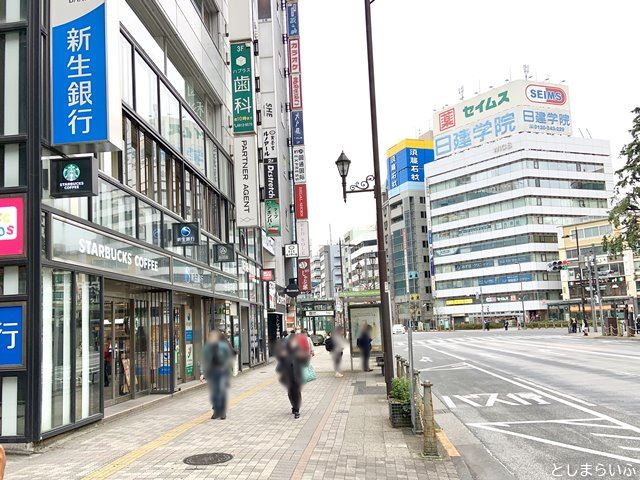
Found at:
(343, 164)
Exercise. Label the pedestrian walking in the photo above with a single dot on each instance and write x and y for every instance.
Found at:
(305, 333)
(293, 358)
(574, 326)
(364, 344)
(335, 345)
(215, 368)
(506, 325)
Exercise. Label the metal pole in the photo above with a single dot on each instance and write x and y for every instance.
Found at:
(411, 390)
(482, 307)
(382, 254)
(342, 276)
(581, 277)
(599, 301)
(524, 323)
(591, 298)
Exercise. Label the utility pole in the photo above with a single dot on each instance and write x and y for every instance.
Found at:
(594, 319)
(524, 323)
(581, 276)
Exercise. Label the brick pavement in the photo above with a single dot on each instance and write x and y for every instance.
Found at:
(343, 433)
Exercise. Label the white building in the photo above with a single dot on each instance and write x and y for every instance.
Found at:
(360, 259)
(494, 210)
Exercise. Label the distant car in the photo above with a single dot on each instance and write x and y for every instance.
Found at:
(317, 339)
(398, 329)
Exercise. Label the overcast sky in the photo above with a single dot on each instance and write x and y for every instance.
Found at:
(424, 51)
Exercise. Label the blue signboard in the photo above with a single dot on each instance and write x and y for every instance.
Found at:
(79, 96)
(407, 166)
(297, 128)
(12, 336)
(188, 335)
(292, 19)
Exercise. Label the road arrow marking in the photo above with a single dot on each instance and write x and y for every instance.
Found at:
(426, 360)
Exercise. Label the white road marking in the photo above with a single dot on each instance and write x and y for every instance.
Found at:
(448, 402)
(555, 392)
(632, 449)
(575, 350)
(447, 353)
(451, 366)
(608, 435)
(426, 360)
(494, 398)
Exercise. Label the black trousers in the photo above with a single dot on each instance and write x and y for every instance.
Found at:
(295, 396)
(365, 360)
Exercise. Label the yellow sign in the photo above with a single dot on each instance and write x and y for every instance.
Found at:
(415, 297)
(459, 301)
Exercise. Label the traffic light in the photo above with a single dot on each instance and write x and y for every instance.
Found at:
(558, 265)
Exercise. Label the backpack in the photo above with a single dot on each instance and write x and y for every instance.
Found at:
(328, 344)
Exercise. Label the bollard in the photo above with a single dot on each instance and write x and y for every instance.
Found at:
(398, 373)
(418, 427)
(430, 448)
(406, 369)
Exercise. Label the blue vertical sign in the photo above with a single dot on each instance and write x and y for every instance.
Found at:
(292, 19)
(297, 128)
(11, 336)
(81, 84)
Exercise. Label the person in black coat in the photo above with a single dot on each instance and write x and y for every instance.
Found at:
(292, 356)
(364, 344)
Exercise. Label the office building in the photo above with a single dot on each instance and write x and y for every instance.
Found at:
(405, 230)
(506, 174)
(360, 259)
(328, 274)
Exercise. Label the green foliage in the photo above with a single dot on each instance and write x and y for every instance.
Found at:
(624, 214)
(400, 390)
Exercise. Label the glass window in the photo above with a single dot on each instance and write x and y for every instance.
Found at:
(177, 187)
(56, 349)
(212, 161)
(13, 92)
(188, 196)
(12, 405)
(149, 224)
(146, 92)
(87, 346)
(13, 11)
(13, 169)
(193, 141)
(168, 235)
(130, 134)
(148, 171)
(126, 73)
(114, 209)
(170, 123)
(13, 280)
(164, 168)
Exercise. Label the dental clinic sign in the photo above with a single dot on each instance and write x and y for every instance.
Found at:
(85, 94)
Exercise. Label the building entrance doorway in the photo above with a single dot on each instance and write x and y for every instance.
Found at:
(117, 351)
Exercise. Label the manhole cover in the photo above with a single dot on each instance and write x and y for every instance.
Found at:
(208, 459)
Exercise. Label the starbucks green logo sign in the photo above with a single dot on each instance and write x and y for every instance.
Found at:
(71, 172)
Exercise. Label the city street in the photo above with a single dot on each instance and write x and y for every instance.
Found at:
(543, 403)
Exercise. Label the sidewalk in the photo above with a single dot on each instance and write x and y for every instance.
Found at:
(343, 433)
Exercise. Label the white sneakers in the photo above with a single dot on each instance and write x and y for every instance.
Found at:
(338, 375)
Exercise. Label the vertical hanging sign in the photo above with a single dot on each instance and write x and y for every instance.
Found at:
(86, 108)
(242, 88)
(246, 180)
(272, 197)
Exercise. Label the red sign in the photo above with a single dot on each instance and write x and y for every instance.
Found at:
(447, 119)
(296, 91)
(300, 200)
(267, 275)
(294, 55)
(12, 237)
(304, 275)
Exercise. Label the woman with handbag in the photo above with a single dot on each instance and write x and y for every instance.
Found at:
(296, 369)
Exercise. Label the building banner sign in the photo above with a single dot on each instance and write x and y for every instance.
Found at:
(300, 201)
(519, 93)
(299, 166)
(224, 253)
(12, 336)
(242, 88)
(271, 183)
(74, 177)
(297, 128)
(302, 236)
(304, 275)
(296, 91)
(268, 110)
(292, 19)
(246, 177)
(520, 119)
(85, 94)
(186, 234)
(291, 250)
(272, 217)
(269, 143)
(12, 225)
(294, 55)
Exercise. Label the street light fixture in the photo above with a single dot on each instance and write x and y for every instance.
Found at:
(364, 186)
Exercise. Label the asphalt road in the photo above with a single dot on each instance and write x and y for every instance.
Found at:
(544, 404)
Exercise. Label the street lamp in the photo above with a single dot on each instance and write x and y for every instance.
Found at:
(343, 164)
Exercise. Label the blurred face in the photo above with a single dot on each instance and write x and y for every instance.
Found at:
(214, 336)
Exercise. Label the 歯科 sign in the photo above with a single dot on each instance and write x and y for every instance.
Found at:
(12, 226)
(186, 234)
(242, 88)
(12, 336)
(74, 177)
(86, 105)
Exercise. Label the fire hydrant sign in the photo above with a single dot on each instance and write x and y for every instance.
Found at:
(82, 95)
(12, 336)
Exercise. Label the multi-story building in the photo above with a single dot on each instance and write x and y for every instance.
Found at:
(614, 302)
(405, 230)
(506, 175)
(360, 259)
(126, 246)
(328, 271)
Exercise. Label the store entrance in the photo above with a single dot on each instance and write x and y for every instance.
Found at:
(117, 350)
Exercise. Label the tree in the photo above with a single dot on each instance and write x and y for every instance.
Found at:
(624, 214)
